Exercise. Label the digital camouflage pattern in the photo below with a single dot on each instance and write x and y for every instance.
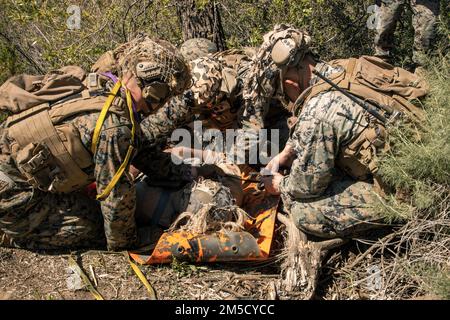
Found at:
(345, 209)
(31, 218)
(321, 200)
(196, 48)
(425, 13)
(264, 102)
(35, 219)
(41, 213)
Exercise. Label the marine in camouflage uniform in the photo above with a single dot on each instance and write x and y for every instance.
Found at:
(425, 13)
(217, 87)
(216, 94)
(215, 99)
(33, 218)
(164, 193)
(265, 104)
(321, 198)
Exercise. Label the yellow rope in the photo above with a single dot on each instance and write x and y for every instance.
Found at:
(85, 278)
(96, 136)
(142, 277)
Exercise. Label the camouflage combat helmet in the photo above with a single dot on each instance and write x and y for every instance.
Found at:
(159, 68)
(196, 48)
(288, 45)
(283, 47)
(206, 80)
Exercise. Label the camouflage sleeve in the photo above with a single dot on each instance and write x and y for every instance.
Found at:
(161, 170)
(156, 130)
(259, 88)
(158, 127)
(315, 143)
(118, 208)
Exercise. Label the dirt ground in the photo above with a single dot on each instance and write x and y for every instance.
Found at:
(39, 275)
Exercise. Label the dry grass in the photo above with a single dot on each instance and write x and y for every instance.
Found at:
(28, 275)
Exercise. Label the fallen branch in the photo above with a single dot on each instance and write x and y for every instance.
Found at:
(303, 259)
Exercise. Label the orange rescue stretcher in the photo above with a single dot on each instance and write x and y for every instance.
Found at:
(253, 244)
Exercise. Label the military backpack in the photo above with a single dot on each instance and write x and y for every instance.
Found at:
(47, 149)
(385, 91)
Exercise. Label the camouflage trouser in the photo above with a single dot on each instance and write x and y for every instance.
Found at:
(50, 221)
(345, 210)
(425, 13)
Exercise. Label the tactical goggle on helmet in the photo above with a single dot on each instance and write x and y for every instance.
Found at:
(155, 88)
(159, 68)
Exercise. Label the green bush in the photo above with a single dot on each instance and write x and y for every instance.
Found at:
(418, 164)
(39, 28)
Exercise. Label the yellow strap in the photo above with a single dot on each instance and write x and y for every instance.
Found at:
(101, 118)
(85, 279)
(119, 173)
(97, 129)
(142, 277)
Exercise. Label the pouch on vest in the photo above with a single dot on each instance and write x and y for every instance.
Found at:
(358, 158)
(48, 149)
(38, 165)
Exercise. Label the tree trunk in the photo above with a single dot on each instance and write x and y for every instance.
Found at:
(201, 22)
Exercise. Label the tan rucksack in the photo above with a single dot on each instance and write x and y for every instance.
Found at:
(48, 150)
(24, 91)
(375, 81)
(383, 89)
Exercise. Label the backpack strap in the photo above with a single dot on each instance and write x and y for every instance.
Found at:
(15, 118)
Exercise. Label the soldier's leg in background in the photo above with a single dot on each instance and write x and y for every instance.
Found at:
(387, 18)
(345, 209)
(425, 13)
(72, 221)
